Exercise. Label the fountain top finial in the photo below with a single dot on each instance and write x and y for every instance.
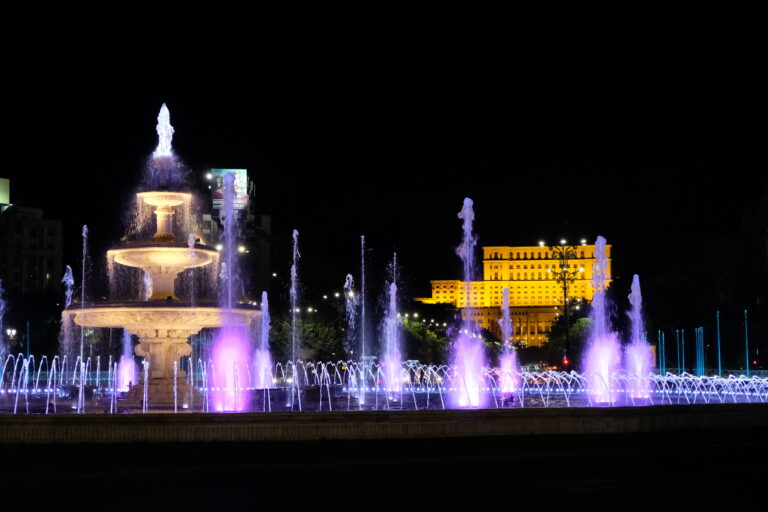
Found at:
(164, 133)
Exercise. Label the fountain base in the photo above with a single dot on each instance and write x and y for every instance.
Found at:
(161, 395)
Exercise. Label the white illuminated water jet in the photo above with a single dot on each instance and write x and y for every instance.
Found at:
(294, 296)
(262, 358)
(363, 350)
(164, 134)
(638, 356)
(69, 282)
(82, 288)
(350, 313)
(391, 359)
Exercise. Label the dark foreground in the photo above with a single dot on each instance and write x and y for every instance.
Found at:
(683, 460)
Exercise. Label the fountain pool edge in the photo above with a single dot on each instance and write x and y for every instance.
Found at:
(371, 425)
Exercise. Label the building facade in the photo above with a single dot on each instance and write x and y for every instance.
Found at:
(30, 250)
(533, 275)
(254, 237)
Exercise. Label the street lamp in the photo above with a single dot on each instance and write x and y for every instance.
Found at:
(564, 276)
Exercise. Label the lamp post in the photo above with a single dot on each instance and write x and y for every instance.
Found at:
(564, 275)
(11, 334)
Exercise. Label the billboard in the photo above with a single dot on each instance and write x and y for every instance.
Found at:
(5, 191)
(241, 188)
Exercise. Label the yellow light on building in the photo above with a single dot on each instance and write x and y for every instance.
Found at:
(532, 275)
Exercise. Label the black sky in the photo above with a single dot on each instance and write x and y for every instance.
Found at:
(641, 125)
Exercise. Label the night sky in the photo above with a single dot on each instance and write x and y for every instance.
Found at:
(644, 126)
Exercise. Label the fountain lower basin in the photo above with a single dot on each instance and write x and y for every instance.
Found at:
(163, 329)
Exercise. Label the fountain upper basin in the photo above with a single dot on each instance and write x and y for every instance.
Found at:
(164, 261)
(177, 256)
(164, 199)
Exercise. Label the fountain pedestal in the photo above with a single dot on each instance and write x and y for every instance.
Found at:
(161, 347)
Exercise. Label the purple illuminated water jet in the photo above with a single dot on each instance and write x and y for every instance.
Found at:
(603, 356)
(231, 351)
(509, 368)
(127, 371)
(638, 356)
(230, 370)
(468, 351)
(3, 344)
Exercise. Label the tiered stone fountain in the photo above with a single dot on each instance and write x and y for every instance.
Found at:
(162, 323)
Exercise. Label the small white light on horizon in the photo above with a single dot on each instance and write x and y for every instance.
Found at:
(241, 248)
(541, 243)
(563, 241)
(274, 274)
(208, 176)
(219, 247)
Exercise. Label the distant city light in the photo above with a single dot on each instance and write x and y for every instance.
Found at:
(219, 247)
(563, 241)
(541, 243)
(325, 297)
(274, 274)
(336, 294)
(583, 241)
(209, 176)
(241, 248)
(351, 294)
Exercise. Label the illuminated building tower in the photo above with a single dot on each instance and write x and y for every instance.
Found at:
(539, 278)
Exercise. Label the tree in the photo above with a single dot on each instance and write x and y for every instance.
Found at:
(423, 343)
(578, 334)
(318, 339)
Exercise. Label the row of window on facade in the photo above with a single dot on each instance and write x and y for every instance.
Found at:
(536, 255)
(512, 267)
(539, 276)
